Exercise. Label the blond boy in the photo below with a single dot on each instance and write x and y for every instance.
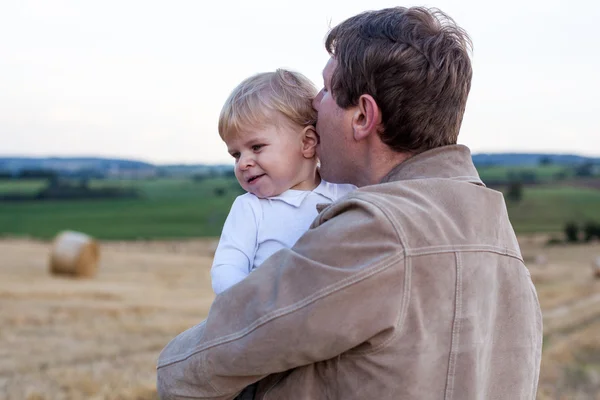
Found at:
(268, 124)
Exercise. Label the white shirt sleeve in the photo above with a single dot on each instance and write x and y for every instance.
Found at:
(235, 253)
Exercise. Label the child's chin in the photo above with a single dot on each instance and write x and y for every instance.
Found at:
(260, 195)
(263, 195)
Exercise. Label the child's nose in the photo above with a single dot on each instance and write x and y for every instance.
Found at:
(246, 162)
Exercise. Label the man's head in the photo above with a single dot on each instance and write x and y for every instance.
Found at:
(408, 70)
(268, 125)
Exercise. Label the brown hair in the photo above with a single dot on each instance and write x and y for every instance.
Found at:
(254, 100)
(415, 63)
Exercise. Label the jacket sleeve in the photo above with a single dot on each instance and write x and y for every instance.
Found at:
(328, 294)
(237, 246)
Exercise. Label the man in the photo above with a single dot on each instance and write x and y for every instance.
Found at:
(412, 287)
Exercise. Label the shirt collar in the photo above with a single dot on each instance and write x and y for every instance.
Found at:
(326, 190)
(295, 198)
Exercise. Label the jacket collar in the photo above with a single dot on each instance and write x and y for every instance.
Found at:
(448, 162)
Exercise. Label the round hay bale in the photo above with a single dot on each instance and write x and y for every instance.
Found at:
(74, 254)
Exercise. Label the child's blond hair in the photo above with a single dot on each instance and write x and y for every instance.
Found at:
(255, 100)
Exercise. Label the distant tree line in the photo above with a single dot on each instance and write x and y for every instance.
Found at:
(532, 176)
(585, 170)
(29, 174)
(41, 173)
(213, 173)
(587, 232)
(62, 189)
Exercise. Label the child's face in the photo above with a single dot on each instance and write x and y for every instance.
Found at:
(269, 160)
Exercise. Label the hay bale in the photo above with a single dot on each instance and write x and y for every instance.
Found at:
(596, 267)
(74, 254)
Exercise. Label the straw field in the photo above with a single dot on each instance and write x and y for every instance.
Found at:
(68, 338)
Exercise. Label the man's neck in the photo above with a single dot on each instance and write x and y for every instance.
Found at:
(380, 164)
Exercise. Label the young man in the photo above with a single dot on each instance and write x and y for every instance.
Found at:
(411, 287)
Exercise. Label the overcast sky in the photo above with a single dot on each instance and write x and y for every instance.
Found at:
(146, 79)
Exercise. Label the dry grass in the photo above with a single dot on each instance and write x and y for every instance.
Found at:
(570, 300)
(64, 338)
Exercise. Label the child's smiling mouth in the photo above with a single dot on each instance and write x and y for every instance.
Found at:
(253, 179)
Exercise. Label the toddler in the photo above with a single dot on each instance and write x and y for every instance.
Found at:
(268, 125)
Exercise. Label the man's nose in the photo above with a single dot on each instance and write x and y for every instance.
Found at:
(317, 100)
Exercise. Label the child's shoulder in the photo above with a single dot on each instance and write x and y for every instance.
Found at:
(246, 200)
(246, 206)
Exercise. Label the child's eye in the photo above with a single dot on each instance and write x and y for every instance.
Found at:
(235, 155)
(257, 147)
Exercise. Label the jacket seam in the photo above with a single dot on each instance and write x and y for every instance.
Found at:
(458, 178)
(467, 178)
(538, 320)
(394, 223)
(422, 251)
(399, 324)
(426, 250)
(362, 275)
(166, 363)
(204, 364)
(449, 395)
(397, 228)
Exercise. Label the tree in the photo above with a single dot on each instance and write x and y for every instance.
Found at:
(591, 230)
(515, 191)
(528, 177)
(560, 175)
(584, 170)
(572, 232)
(230, 173)
(545, 160)
(199, 177)
(37, 174)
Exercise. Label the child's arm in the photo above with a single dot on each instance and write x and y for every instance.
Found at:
(235, 253)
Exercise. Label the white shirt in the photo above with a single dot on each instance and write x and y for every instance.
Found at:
(256, 228)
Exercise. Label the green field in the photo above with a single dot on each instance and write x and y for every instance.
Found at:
(544, 173)
(549, 208)
(180, 208)
(22, 186)
(169, 208)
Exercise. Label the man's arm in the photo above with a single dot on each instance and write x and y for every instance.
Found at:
(303, 305)
(237, 246)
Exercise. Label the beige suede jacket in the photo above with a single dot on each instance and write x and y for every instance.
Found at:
(414, 288)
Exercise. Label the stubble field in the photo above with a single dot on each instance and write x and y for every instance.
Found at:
(99, 338)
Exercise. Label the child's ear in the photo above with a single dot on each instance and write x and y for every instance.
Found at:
(310, 139)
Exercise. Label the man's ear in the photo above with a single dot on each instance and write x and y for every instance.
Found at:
(310, 139)
(367, 118)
